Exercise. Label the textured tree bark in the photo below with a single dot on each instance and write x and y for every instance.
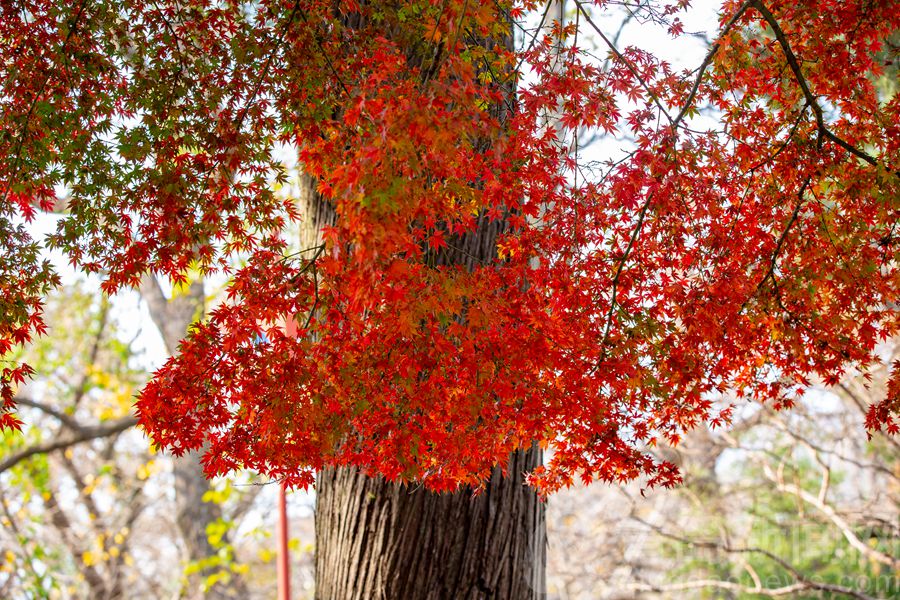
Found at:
(386, 541)
(377, 540)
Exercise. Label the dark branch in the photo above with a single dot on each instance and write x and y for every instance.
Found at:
(794, 215)
(707, 60)
(627, 63)
(811, 99)
(801, 581)
(615, 282)
(84, 434)
(60, 416)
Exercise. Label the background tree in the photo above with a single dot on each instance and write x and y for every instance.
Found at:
(604, 542)
(83, 399)
(783, 504)
(87, 508)
(196, 516)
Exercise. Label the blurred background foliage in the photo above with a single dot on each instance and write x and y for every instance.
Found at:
(88, 509)
(795, 504)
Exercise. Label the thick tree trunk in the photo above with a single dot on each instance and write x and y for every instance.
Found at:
(377, 540)
(387, 541)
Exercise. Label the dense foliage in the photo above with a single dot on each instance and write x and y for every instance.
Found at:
(744, 239)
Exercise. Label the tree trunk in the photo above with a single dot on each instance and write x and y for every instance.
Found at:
(387, 541)
(377, 540)
(192, 513)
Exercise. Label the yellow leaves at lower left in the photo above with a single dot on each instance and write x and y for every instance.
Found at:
(148, 469)
(266, 555)
(89, 558)
(9, 561)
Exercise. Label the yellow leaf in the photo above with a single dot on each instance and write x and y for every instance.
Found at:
(146, 470)
(266, 555)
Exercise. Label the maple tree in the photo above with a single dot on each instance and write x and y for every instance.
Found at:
(624, 295)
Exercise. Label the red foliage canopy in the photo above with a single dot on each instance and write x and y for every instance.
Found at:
(743, 240)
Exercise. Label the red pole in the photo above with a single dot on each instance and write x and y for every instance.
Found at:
(284, 565)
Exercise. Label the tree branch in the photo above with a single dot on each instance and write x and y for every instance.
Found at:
(60, 416)
(801, 582)
(627, 63)
(786, 590)
(832, 515)
(708, 59)
(84, 434)
(615, 282)
(770, 272)
(794, 65)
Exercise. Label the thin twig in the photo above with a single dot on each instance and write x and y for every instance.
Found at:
(627, 63)
(615, 282)
(708, 59)
(794, 65)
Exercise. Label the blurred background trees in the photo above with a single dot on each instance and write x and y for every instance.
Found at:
(88, 510)
(794, 504)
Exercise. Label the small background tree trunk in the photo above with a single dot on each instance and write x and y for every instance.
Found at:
(193, 514)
